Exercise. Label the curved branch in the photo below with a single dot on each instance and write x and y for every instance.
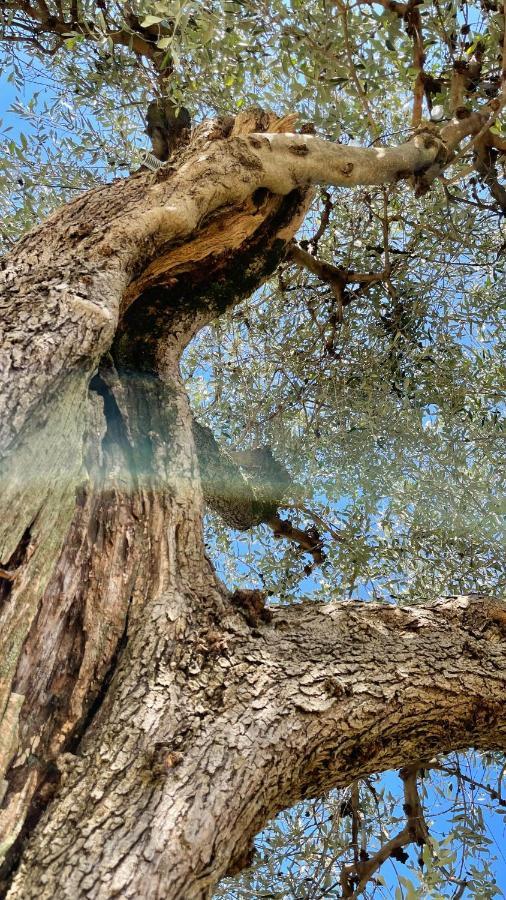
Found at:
(315, 698)
(356, 875)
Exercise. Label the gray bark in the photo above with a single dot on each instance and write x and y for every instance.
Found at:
(212, 725)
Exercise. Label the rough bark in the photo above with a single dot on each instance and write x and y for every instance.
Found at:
(161, 722)
(211, 726)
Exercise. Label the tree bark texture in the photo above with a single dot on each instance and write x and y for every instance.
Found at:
(151, 721)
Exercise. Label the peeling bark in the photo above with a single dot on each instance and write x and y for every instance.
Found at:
(158, 723)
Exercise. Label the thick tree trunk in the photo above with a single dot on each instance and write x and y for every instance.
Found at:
(160, 719)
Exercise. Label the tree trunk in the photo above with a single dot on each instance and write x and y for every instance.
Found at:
(154, 720)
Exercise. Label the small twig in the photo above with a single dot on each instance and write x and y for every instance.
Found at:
(324, 221)
(459, 176)
(499, 781)
(308, 539)
(494, 794)
(453, 198)
(355, 819)
(355, 876)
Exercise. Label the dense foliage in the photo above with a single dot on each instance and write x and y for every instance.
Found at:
(383, 398)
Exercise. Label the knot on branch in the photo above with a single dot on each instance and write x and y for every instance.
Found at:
(431, 139)
(253, 120)
(212, 130)
(256, 119)
(252, 606)
(425, 175)
(461, 113)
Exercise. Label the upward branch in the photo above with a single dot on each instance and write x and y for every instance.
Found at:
(113, 261)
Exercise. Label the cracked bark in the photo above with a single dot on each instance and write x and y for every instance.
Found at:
(164, 797)
(159, 726)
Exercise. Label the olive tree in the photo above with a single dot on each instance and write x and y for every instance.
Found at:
(312, 268)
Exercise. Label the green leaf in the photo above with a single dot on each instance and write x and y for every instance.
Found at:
(151, 20)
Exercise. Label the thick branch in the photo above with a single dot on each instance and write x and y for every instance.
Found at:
(318, 697)
(328, 272)
(163, 209)
(242, 502)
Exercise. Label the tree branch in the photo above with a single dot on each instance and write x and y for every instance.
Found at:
(410, 14)
(313, 241)
(241, 501)
(213, 175)
(49, 24)
(327, 272)
(307, 539)
(484, 162)
(309, 706)
(343, 9)
(356, 875)
(246, 489)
